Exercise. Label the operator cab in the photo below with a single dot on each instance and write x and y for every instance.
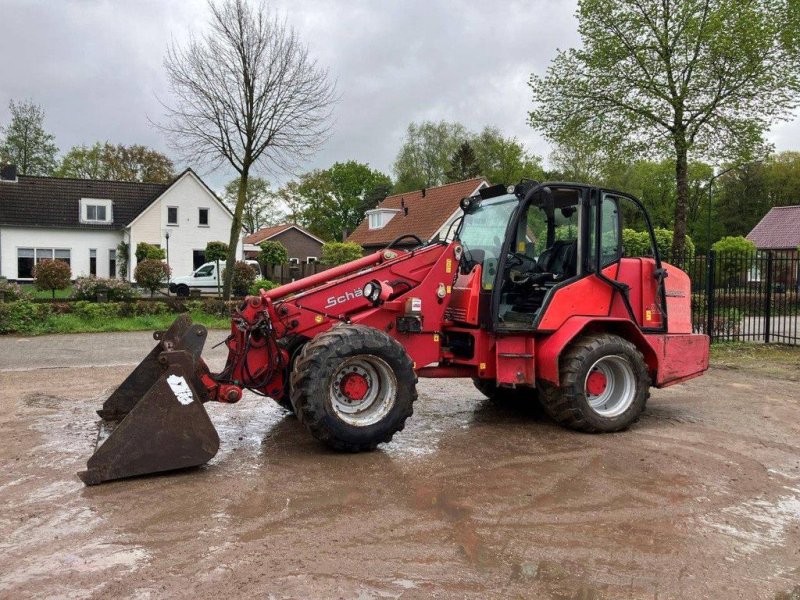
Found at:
(530, 238)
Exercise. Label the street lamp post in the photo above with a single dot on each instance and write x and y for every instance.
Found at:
(166, 235)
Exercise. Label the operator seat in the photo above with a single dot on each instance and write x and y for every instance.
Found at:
(560, 259)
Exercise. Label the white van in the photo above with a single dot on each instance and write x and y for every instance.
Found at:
(204, 278)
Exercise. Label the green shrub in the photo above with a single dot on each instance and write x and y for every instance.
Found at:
(145, 251)
(259, 284)
(339, 253)
(86, 288)
(273, 253)
(94, 311)
(243, 277)
(17, 317)
(637, 243)
(52, 275)
(152, 274)
(216, 251)
(218, 307)
(734, 244)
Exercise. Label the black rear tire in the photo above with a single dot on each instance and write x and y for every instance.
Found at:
(182, 291)
(318, 385)
(627, 385)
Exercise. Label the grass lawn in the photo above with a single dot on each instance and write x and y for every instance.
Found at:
(771, 360)
(31, 289)
(76, 324)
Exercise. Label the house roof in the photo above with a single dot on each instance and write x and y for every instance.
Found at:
(779, 229)
(270, 232)
(428, 210)
(55, 202)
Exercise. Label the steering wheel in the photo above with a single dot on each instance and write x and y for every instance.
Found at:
(528, 264)
(410, 236)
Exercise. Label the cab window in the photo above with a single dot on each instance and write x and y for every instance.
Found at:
(204, 271)
(610, 227)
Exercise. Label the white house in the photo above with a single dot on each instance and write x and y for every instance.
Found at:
(83, 222)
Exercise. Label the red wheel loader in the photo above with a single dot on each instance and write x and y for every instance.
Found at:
(530, 295)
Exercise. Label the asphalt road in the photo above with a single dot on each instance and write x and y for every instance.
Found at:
(700, 499)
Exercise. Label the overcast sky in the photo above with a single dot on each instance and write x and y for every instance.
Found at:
(96, 67)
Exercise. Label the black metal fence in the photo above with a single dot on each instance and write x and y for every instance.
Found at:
(746, 296)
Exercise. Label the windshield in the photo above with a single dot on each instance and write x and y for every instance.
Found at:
(204, 271)
(483, 231)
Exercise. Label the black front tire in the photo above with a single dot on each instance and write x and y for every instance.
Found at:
(314, 383)
(569, 404)
(182, 291)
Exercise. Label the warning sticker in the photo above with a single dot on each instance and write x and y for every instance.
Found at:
(181, 389)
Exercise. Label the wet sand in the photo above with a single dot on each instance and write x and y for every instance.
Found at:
(700, 499)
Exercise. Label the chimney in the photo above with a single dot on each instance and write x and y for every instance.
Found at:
(8, 173)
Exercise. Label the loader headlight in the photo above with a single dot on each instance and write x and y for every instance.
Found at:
(372, 291)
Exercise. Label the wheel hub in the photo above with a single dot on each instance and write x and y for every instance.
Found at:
(596, 383)
(354, 386)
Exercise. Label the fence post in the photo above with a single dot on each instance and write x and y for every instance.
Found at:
(768, 299)
(710, 289)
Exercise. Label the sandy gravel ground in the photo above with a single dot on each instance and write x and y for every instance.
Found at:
(700, 499)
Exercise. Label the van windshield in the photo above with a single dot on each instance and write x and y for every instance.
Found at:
(204, 271)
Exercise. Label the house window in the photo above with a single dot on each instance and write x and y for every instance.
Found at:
(27, 258)
(172, 215)
(93, 262)
(95, 211)
(310, 260)
(202, 217)
(378, 218)
(294, 261)
(112, 263)
(198, 258)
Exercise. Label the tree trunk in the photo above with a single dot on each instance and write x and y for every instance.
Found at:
(236, 232)
(682, 198)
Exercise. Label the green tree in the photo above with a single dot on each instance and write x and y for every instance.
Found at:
(247, 94)
(696, 78)
(273, 253)
(244, 276)
(504, 159)
(735, 244)
(116, 162)
(463, 164)
(26, 143)
(424, 157)
(339, 253)
(51, 275)
(334, 200)
(215, 252)
(152, 274)
(260, 208)
(151, 251)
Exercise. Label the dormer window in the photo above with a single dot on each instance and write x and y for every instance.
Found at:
(379, 217)
(94, 210)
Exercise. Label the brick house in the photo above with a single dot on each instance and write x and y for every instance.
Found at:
(301, 245)
(426, 213)
(778, 230)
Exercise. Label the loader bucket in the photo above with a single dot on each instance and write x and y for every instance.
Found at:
(157, 414)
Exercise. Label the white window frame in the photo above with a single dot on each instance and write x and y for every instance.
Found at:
(177, 217)
(310, 260)
(294, 261)
(108, 205)
(36, 251)
(378, 218)
(200, 209)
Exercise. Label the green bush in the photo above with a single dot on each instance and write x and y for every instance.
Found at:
(273, 253)
(94, 310)
(243, 277)
(637, 243)
(145, 251)
(264, 284)
(734, 244)
(52, 275)
(17, 317)
(152, 274)
(339, 253)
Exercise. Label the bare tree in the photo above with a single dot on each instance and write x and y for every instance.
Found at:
(247, 94)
